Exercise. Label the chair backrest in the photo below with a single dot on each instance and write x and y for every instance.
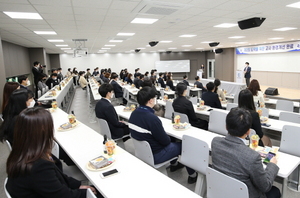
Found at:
(104, 128)
(162, 93)
(188, 90)
(193, 100)
(158, 84)
(183, 117)
(231, 105)
(265, 112)
(90, 194)
(217, 122)
(8, 145)
(289, 117)
(143, 151)
(221, 185)
(6, 192)
(169, 110)
(55, 149)
(39, 92)
(285, 105)
(194, 153)
(290, 140)
(43, 90)
(126, 94)
(236, 98)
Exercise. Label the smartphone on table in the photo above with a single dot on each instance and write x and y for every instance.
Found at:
(109, 173)
(268, 158)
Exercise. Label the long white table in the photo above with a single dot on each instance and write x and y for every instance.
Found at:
(60, 95)
(136, 179)
(94, 88)
(286, 163)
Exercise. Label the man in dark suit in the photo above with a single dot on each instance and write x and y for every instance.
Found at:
(37, 74)
(185, 80)
(52, 81)
(60, 76)
(117, 88)
(210, 98)
(199, 84)
(161, 80)
(182, 105)
(231, 156)
(247, 73)
(23, 81)
(137, 81)
(105, 110)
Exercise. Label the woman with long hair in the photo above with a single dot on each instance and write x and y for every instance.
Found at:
(218, 91)
(128, 78)
(31, 168)
(246, 102)
(19, 100)
(9, 87)
(258, 95)
(170, 82)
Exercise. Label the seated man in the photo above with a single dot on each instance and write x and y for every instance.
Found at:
(52, 81)
(185, 80)
(182, 105)
(231, 156)
(105, 110)
(23, 81)
(199, 84)
(146, 126)
(210, 98)
(161, 80)
(137, 81)
(117, 88)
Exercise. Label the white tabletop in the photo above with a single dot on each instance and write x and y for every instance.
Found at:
(60, 95)
(136, 179)
(287, 163)
(94, 88)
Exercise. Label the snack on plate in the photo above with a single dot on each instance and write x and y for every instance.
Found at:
(72, 119)
(66, 126)
(177, 119)
(263, 119)
(167, 89)
(181, 126)
(201, 108)
(166, 97)
(259, 111)
(99, 162)
(132, 85)
(132, 107)
(127, 109)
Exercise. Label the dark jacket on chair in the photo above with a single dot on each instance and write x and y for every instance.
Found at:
(117, 89)
(211, 99)
(106, 111)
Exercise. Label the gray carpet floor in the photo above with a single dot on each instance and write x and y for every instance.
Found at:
(85, 113)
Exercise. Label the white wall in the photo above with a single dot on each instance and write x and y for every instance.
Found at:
(278, 62)
(145, 61)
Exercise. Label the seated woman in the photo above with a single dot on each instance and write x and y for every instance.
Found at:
(128, 78)
(82, 81)
(106, 77)
(170, 82)
(19, 100)
(41, 84)
(218, 91)
(246, 102)
(31, 168)
(258, 95)
(9, 87)
(182, 105)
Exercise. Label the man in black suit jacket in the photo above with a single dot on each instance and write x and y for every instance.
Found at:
(199, 84)
(161, 80)
(210, 98)
(117, 88)
(185, 80)
(247, 73)
(105, 110)
(52, 80)
(182, 105)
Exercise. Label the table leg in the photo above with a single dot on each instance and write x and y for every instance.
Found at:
(284, 187)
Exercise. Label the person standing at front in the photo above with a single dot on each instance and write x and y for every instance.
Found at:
(247, 73)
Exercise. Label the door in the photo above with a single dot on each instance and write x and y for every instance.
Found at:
(210, 68)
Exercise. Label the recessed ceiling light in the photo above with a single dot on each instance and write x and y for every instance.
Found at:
(144, 20)
(294, 5)
(56, 40)
(116, 41)
(65, 48)
(236, 37)
(125, 34)
(102, 51)
(141, 48)
(161, 50)
(61, 45)
(23, 15)
(199, 48)
(165, 41)
(148, 46)
(276, 38)
(105, 48)
(187, 46)
(186, 50)
(285, 29)
(188, 35)
(109, 45)
(45, 32)
(241, 42)
(172, 48)
(207, 42)
(226, 25)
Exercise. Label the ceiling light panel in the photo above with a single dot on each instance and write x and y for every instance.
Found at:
(236, 37)
(285, 29)
(23, 15)
(226, 25)
(294, 5)
(45, 32)
(144, 20)
(55, 40)
(116, 41)
(125, 34)
(188, 35)
(165, 41)
(61, 45)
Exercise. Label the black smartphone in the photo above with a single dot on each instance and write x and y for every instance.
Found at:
(268, 158)
(109, 173)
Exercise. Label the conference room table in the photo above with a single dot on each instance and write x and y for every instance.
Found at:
(135, 178)
(287, 163)
(60, 96)
(94, 88)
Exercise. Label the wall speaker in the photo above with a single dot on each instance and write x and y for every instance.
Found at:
(137, 50)
(219, 51)
(153, 43)
(251, 23)
(271, 91)
(214, 44)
